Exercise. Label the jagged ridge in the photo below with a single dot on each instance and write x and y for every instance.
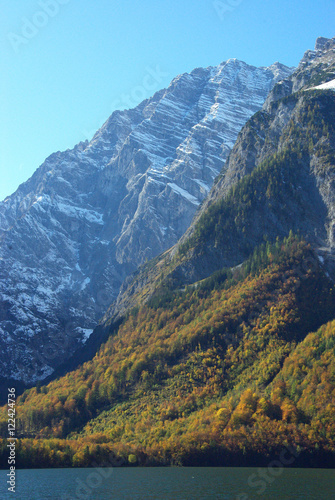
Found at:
(89, 216)
(278, 177)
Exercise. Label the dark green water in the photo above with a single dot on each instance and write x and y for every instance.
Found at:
(171, 484)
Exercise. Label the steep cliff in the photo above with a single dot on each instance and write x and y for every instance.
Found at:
(90, 216)
(280, 176)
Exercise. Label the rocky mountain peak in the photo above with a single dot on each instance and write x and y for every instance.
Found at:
(316, 67)
(278, 177)
(89, 216)
(323, 43)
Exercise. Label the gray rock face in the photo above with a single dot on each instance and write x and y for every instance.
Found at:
(316, 66)
(322, 43)
(258, 142)
(90, 216)
(304, 200)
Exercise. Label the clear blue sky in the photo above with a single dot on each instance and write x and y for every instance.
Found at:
(67, 64)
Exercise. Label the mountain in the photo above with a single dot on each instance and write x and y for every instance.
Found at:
(90, 216)
(279, 177)
(225, 373)
(224, 349)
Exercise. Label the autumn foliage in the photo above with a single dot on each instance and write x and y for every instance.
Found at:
(225, 372)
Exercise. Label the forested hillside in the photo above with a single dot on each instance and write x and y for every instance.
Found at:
(220, 351)
(279, 177)
(225, 371)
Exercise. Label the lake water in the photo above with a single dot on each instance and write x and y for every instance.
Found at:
(196, 483)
